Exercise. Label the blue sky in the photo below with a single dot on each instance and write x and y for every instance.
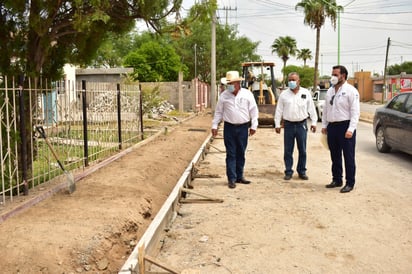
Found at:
(365, 26)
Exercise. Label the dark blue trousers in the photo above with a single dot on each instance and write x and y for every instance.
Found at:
(295, 131)
(338, 144)
(235, 139)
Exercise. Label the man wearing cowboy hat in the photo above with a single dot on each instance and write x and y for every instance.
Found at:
(222, 86)
(237, 108)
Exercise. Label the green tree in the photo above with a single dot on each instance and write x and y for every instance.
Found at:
(41, 36)
(231, 50)
(315, 14)
(112, 51)
(192, 42)
(399, 68)
(284, 47)
(155, 61)
(304, 54)
(305, 74)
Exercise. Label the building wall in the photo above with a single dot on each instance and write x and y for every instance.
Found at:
(363, 82)
(196, 95)
(102, 75)
(371, 88)
(170, 91)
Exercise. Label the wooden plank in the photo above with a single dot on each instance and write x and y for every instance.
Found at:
(160, 264)
(199, 201)
(218, 149)
(140, 259)
(206, 198)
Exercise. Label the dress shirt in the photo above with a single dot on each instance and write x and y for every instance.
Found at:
(344, 107)
(295, 107)
(236, 109)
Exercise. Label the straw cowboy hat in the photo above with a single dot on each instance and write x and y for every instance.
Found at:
(223, 81)
(233, 76)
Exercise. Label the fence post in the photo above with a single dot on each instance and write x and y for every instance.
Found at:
(180, 90)
(119, 117)
(141, 112)
(85, 137)
(23, 136)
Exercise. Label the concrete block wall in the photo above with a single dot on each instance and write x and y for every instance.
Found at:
(170, 91)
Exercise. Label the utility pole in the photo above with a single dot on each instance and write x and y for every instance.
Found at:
(213, 65)
(384, 71)
(227, 9)
(338, 13)
(195, 61)
(213, 59)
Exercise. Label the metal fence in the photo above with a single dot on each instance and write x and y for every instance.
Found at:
(83, 122)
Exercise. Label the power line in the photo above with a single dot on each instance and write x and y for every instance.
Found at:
(374, 21)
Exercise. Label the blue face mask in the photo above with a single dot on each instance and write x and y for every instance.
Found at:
(292, 84)
(231, 88)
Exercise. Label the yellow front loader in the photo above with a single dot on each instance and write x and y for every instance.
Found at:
(265, 95)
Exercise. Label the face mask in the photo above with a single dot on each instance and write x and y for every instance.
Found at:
(231, 88)
(292, 84)
(334, 80)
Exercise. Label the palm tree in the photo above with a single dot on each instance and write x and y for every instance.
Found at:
(304, 54)
(316, 12)
(284, 47)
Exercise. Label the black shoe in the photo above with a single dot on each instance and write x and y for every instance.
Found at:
(346, 189)
(303, 177)
(287, 177)
(243, 181)
(231, 184)
(333, 184)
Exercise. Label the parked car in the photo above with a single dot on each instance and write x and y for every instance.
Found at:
(392, 124)
(319, 101)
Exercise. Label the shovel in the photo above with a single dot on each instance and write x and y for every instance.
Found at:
(69, 176)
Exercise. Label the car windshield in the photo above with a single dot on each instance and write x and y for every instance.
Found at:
(322, 94)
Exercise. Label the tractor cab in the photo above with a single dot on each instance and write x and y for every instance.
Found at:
(260, 80)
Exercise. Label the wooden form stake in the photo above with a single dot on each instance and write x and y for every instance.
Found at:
(218, 149)
(142, 258)
(205, 197)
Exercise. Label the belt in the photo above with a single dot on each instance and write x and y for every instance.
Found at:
(237, 125)
(339, 122)
(295, 122)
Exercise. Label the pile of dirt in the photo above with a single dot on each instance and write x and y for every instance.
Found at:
(95, 228)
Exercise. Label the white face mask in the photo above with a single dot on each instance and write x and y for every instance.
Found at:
(231, 88)
(292, 84)
(334, 80)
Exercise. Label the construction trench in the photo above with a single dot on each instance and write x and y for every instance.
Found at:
(144, 252)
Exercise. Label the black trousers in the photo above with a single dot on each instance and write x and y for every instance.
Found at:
(339, 145)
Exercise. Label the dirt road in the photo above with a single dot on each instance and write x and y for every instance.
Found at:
(267, 227)
(277, 226)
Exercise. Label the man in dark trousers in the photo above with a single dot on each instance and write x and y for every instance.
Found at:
(237, 108)
(339, 121)
(294, 106)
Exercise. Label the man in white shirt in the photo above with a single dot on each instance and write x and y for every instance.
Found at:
(294, 105)
(237, 108)
(339, 121)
